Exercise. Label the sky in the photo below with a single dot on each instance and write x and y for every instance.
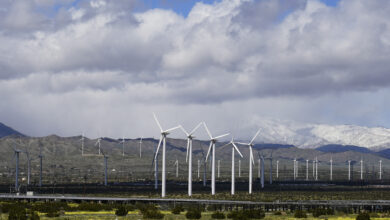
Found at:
(102, 67)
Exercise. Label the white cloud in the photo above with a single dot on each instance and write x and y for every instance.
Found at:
(100, 60)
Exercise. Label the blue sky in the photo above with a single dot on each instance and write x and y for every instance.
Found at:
(183, 7)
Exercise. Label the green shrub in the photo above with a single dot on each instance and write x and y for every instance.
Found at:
(218, 215)
(121, 211)
(194, 213)
(152, 214)
(300, 214)
(374, 215)
(34, 216)
(247, 214)
(177, 209)
(17, 212)
(237, 215)
(363, 216)
(53, 214)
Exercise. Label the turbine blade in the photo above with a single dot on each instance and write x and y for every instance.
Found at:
(208, 152)
(158, 123)
(188, 146)
(235, 147)
(207, 130)
(241, 143)
(184, 130)
(225, 145)
(220, 136)
(98, 140)
(171, 129)
(158, 147)
(257, 133)
(193, 130)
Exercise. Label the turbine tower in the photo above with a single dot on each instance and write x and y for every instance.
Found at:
(40, 156)
(251, 159)
(316, 169)
(380, 169)
(349, 170)
(163, 139)
(123, 146)
(262, 171)
(361, 169)
(198, 169)
(331, 169)
(190, 137)
(140, 147)
(28, 165)
(98, 144)
(213, 140)
(219, 165)
(234, 148)
(270, 170)
(177, 168)
(239, 168)
(82, 144)
(105, 168)
(16, 154)
(307, 170)
(258, 168)
(277, 169)
(295, 168)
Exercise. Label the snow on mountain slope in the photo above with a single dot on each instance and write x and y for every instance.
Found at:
(315, 135)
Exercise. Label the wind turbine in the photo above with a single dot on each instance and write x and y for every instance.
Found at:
(380, 169)
(277, 169)
(163, 139)
(40, 156)
(307, 170)
(98, 143)
(270, 170)
(16, 154)
(105, 167)
(123, 145)
(190, 137)
(349, 170)
(140, 147)
(251, 160)
(262, 169)
(234, 148)
(177, 167)
(213, 140)
(361, 169)
(331, 169)
(82, 144)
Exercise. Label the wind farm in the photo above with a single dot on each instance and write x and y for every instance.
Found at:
(217, 109)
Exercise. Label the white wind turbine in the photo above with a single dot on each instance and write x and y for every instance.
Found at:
(213, 140)
(123, 145)
(140, 148)
(190, 137)
(251, 160)
(234, 148)
(82, 144)
(98, 143)
(163, 138)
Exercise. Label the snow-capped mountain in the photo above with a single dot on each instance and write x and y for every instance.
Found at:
(315, 135)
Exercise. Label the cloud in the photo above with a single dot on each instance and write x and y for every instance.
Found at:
(97, 53)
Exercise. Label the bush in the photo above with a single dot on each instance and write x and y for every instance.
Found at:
(300, 214)
(53, 214)
(374, 215)
(121, 211)
(177, 209)
(247, 214)
(194, 213)
(34, 216)
(277, 213)
(237, 215)
(218, 215)
(363, 216)
(149, 211)
(17, 213)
